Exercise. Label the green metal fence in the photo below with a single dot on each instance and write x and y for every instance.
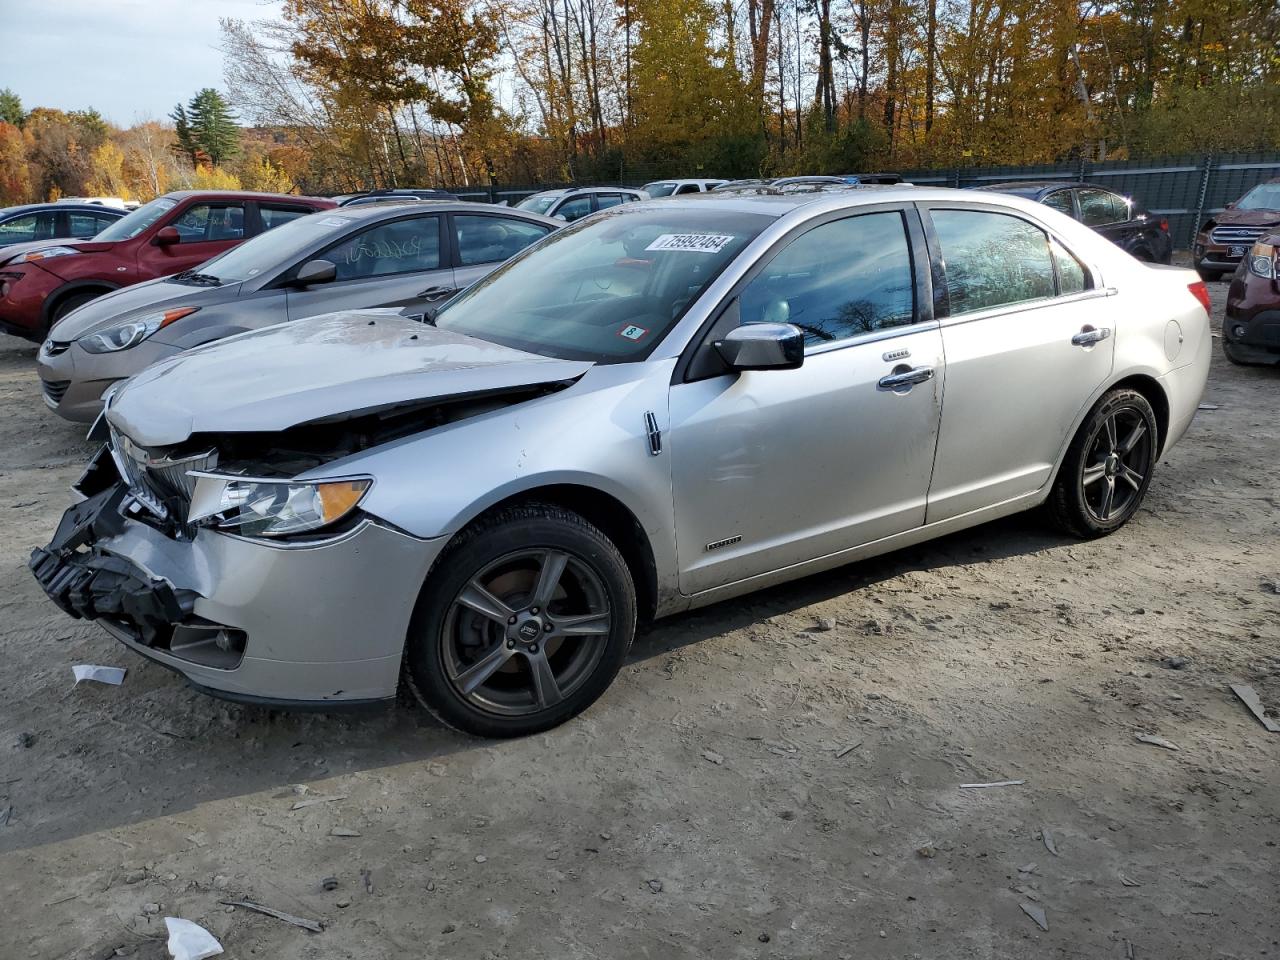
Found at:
(1185, 189)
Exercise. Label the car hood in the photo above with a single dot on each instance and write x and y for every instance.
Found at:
(324, 367)
(1248, 218)
(128, 303)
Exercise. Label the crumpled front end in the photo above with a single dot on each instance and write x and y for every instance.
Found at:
(317, 622)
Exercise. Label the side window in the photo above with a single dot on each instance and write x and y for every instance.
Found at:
(84, 224)
(47, 226)
(1099, 208)
(992, 259)
(1060, 201)
(838, 280)
(403, 246)
(493, 239)
(274, 216)
(102, 221)
(688, 188)
(575, 209)
(1072, 276)
(18, 230)
(606, 200)
(206, 222)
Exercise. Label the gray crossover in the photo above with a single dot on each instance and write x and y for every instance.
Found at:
(670, 403)
(409, 255)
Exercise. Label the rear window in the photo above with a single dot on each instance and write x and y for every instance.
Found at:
(992, 259)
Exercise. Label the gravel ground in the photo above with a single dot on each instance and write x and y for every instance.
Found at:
(776, 776)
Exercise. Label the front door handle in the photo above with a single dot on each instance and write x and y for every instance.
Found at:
(435, 293)
(1088, 336)
(905, 377)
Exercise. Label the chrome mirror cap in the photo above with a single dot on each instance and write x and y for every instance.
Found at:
(762, 346)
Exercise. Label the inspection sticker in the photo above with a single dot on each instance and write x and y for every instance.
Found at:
(690, 242)
(632, 332)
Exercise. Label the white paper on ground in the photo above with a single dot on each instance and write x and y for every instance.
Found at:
(87, 671)
(190, 941)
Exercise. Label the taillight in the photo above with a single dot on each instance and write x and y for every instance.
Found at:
(1164, 224)
(1200, 291)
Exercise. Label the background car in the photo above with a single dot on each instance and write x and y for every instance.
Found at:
(411, 257)
(667, 405)
(1116, 217)
(407, 194)
(1251, 324)
(51, 221)
(42, 282)
(1226, 237)
(574, 203)
(676, 188)
(879, 179)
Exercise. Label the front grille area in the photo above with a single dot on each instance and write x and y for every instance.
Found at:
(1237, 234)
(156, 478)
(54, 390)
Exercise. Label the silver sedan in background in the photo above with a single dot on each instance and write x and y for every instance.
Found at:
(662, 406)
(411, 255)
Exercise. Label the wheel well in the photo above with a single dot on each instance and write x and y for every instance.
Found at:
(59, 296)
(617, 523)
(1149, 388)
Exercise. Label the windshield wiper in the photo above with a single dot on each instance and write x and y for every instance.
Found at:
(202, 279)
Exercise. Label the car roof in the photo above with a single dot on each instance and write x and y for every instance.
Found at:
(781, 204)
(396, 207)
(1029, 188)
(242, 195)
(85, 207)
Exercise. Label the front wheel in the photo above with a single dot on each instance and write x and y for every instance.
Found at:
(1107, 468)
(525, 622)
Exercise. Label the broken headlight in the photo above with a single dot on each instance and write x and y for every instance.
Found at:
(270, 508)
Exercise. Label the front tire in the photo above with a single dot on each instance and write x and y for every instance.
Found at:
(524, 623)
(1107, 468)
(73, 302)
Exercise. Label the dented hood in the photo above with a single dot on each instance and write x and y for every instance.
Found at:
(323, 367)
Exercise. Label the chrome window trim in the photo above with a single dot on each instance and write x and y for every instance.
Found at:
(1023, 306)
(872, 336)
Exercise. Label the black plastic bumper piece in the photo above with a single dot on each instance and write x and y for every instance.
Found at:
(88, 583)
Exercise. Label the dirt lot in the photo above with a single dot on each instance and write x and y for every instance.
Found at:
(753, 786)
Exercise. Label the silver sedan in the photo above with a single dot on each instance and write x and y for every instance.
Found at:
(662, 406)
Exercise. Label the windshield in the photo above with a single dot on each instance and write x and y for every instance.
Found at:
(606, 290)
(656, 190)
(129, 226)
(1265, 196)
(538, 203)
(274, 249)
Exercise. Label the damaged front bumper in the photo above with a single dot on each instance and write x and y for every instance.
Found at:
(319, 624)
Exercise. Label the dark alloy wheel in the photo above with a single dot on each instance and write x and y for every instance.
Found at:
(524, 625)
(1108, 466)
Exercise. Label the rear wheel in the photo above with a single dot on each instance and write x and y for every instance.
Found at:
(1108, 467)
(524, 624)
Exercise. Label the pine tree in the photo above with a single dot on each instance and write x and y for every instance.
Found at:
(205, 129)
(11, 108)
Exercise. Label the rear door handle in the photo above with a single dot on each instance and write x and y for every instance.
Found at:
(435, 293)
(1088, 336)
(905, 377)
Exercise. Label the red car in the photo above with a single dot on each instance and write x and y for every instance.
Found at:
(44, 281)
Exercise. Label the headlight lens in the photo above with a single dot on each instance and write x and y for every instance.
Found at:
(46, 254)
(1262, 260)
(263, 508)
(130, 334)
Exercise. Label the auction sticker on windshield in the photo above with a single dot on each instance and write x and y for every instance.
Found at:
(632, 332)
(690, 242)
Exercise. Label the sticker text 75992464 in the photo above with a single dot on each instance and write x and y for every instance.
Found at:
(690, 242)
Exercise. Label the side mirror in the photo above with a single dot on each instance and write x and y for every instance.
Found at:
(316, 271)
(1231, 205)
(560, 216)
(167, 237)
(762, 346)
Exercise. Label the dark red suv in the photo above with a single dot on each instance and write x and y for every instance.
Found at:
(44, 281)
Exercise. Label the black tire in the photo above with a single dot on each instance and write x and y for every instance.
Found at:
(1077, 504)
(450, 641)
(1210, 276)
(73, 302)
